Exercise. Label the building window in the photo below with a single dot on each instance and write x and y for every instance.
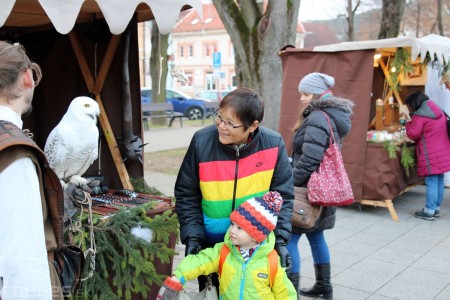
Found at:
(234, 80)
(209, 48)
(210, 81)
(181, 51)
(191, 51)
(190, 78)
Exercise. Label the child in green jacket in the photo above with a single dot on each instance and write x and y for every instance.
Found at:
(245, 272)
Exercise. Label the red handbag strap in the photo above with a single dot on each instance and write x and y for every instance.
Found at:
(331, 128)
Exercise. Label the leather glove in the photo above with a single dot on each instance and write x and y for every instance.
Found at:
(193, 246)
(73, 194)
(285, 257)
(169, 289)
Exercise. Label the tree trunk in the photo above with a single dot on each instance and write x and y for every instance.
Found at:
(419, 10)
(439, 18)
(257, 35)
(158, 69)
(392, 14)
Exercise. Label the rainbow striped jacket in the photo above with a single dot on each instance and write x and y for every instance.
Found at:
(215, 178)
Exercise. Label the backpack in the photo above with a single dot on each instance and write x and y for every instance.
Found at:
(272, 261)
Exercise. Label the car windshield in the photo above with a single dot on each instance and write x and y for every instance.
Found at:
(213, 95)
(169, 94)
(172, 94)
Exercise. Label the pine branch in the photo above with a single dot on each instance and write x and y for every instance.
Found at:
(124, 262)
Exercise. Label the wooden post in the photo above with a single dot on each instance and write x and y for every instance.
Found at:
(95, 88)
(379, 115)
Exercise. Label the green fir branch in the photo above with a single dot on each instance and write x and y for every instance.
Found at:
(124, 262)
(391, 149)
(408, 158)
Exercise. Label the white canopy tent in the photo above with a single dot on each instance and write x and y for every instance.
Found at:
(117, 13)
(433, 44)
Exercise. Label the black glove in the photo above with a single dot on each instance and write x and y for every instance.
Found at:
(193, 246)
(285, 257)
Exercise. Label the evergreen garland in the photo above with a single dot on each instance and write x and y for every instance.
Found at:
(402, 64)
(408, 158)
(124, 262)
(391, 149)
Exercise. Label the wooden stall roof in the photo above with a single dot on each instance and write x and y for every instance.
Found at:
(117, 13)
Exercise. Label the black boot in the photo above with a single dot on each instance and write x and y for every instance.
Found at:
(294, 278)
(323, 287)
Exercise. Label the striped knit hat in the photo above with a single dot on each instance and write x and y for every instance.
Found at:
(258, 216)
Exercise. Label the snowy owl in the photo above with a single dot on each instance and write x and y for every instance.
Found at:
(72, 146)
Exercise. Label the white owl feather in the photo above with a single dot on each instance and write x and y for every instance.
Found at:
(72, 146)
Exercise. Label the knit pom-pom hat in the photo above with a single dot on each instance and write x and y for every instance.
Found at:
(258, 216)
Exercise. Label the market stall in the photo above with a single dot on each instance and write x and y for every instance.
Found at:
(90, 48)
(377, 75)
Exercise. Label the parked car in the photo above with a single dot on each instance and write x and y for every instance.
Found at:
(214, 94)
(192, 108)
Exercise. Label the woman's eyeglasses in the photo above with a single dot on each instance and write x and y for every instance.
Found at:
(219, 119)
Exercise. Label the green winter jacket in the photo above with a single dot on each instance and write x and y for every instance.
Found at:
(239, 280)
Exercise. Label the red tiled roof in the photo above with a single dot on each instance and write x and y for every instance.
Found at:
(211, 21)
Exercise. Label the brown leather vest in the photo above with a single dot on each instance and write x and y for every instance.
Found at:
(15, 144)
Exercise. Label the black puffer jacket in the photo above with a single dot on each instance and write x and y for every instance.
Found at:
(197, 188)
(311, 141)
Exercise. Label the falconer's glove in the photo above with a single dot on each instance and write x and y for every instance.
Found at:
(74, 197)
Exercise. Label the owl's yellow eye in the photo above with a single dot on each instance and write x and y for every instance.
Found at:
(86, 105)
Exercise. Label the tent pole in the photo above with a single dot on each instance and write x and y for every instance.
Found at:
(95, 88)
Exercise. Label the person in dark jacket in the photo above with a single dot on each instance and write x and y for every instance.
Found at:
(428, 129)
(311, 140)
(226, 164)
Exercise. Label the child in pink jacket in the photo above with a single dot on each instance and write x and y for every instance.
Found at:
(428, 129)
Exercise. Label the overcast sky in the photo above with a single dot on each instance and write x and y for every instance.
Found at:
(317, 9)
(320, 9)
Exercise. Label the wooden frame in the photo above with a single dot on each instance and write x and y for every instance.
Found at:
(418, 76)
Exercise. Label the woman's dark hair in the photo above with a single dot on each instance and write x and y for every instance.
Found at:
(247, 105)
(415, 100)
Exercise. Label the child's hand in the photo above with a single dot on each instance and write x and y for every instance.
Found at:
(170, 289)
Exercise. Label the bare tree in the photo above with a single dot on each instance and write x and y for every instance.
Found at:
(351, 19)
(392, 13)
(258, 30)
(158, 68)
(439, 17)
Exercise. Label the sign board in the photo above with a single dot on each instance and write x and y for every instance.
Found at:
(217, 62)
(217, 74)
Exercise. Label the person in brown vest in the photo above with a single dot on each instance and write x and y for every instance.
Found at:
(31, 211)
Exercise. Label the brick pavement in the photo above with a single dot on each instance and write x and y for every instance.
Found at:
(372, 256)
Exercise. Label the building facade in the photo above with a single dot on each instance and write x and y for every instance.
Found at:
(201, 50)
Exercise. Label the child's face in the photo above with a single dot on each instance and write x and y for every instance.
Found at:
(239, 237)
